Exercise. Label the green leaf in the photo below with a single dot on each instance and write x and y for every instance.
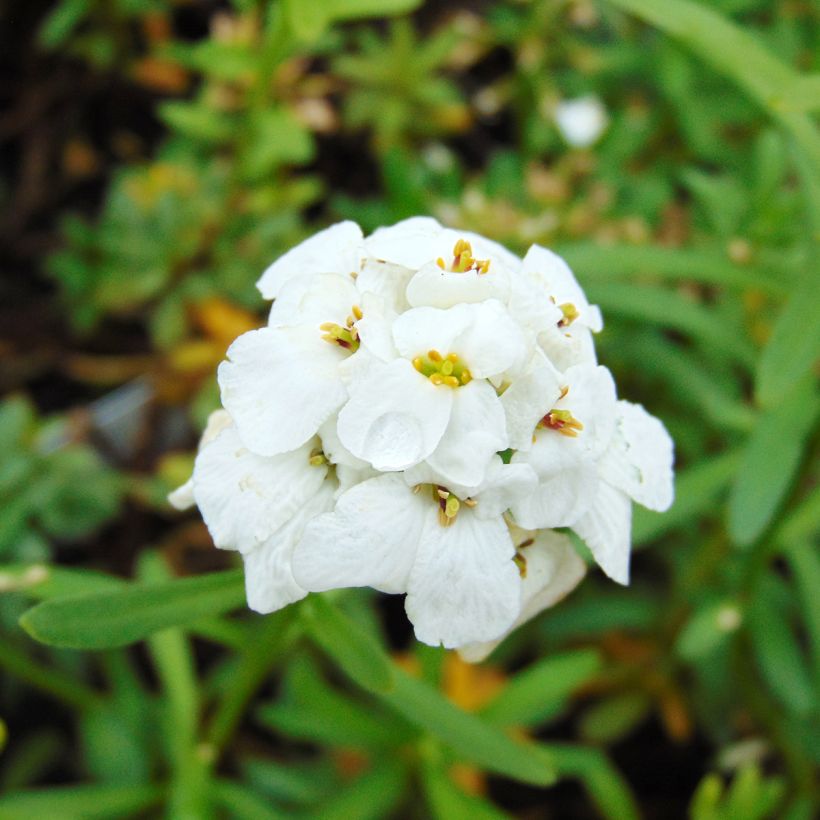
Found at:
(372, 796)
(470, 737)
(59, 24)
(707, 629)
(794, 347)
(101, 620)
(355, 651)
(308, 21)
(274, 137)
(779, 657)
(665, 308)
(613, 718)
(805, 564)
(197, 121)
(541, 690)
(42, 582)
(602, 780)
(770, 460)
(241, 802)
(79, 802)
(448, 802)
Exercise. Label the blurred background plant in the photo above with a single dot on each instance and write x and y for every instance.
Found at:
(157, 155)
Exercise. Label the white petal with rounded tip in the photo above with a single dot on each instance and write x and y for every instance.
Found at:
(640, 457)
(567, 483)
(606, 530)
(567, 347)
(182, 498)
(269, 581)
(476, 432)
(245, 498)
(410, 243)
(553, 570)
(556, 279)
(395, 417)
(439, 288)
(484, 335)
(528, 399)
(337, 249)
(591, 399)
(370, 539)
(503, 486)
(464, 586)
(386, 280)
(280, 385)
(314, 299)
(375, 327)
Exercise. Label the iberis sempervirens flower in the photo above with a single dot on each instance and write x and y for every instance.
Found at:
(422, 411)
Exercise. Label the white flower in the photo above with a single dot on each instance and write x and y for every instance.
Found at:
(550, 569)
(433, 401)
(581, 121)
(452, 556)
(259, 506)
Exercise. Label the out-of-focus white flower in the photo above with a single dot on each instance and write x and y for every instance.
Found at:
(581, 121)
(417, 396)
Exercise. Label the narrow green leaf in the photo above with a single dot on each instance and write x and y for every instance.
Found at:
(241, 802)
(605, 784)
(371, 797)
(794, 347)
(356, 652)
(448, 802)
(802, 95)
(196, 121)
(613, 718)
(470, 737)
(42, 582)
(779, 658)
(541, 690)
(60, 22)
(658, 306)
(102, 620)
(308, 21)
(770, 460)
(79, 802)
(805, 564)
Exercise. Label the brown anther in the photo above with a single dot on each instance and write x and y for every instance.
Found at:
(528, 543)
(564, 391)
(521, 562)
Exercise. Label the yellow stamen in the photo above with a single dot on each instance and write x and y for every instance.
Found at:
(357, 312)
(570, 314)
(434, 355)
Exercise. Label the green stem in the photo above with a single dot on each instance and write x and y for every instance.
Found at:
(47, 679)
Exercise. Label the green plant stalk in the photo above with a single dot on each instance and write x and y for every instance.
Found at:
(47, 679)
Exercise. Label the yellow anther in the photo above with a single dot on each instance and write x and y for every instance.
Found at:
(417, 363)
(349, 321)
(564, 392)
(451, 507)
(357, 312)
(317, 458)
(437, 378)
(570, 314)
(448, 370)
(328, 326)
(463, 259)
(461, 246)
(466, 376)
(521, 562)
(453, 357)
(470, 502)
(442, 493)
(447, 366)
(434, 355)
(441, 263)
(345, 336)
(451, 381)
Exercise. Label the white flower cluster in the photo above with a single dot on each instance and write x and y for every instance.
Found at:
(422, 410)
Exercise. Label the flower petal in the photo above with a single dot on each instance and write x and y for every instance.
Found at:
(409, 243)
(553, 570)
(464, 586)
(269, 581)
(439, 288)
(484, 335)
(640, 457)
(313, 299)
(245, 498)
(590, 396)
(606, 530)
(528, 399)
(567, 482)
(370, 539)
(337, 249)
(476, 432)
(395, 416)
(556, 279)
(386, 280)
(280, 385)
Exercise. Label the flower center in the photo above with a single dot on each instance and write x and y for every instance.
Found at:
(448, 504)
(563, 421)
(449, 370)
(463, 259)
(346, 337)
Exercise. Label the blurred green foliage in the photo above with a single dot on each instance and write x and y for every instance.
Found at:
(693, 222)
